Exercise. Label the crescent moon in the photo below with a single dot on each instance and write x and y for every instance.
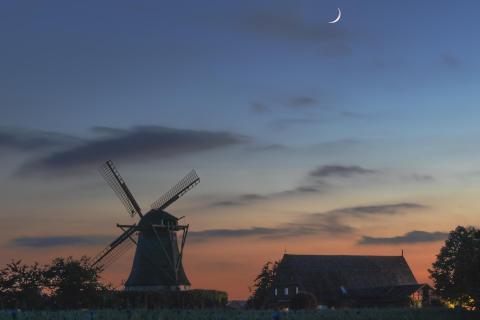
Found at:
(337, 18)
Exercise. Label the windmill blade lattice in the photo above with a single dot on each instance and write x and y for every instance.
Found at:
(117, 253)
(115, 249)
(184, 185)
(118, 185)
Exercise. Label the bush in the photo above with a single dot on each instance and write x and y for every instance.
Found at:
(190, 299)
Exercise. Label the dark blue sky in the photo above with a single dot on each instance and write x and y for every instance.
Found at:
(124, 63)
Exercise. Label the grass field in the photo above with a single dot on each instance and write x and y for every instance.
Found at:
(224, 314)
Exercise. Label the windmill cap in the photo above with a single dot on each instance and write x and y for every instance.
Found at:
(157, 217)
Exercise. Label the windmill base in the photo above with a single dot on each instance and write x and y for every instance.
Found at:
(156, 288)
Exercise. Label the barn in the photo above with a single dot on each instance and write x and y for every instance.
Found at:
(349, 281)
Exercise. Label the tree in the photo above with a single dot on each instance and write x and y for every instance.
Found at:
(22, 286)
(456, 271)
(262, 287)
(74, 283)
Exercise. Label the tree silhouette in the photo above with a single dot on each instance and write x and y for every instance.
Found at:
(456, 271)
(262, 287)
(21, 286)
(74, 283)
(64, 283)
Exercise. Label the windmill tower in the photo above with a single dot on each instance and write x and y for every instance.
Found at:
(158, 236)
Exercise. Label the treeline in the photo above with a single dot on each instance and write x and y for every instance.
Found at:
(67, 283)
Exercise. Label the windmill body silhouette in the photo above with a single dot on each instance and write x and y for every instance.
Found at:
(158, 236)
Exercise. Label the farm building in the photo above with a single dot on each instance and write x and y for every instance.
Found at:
(356, 281)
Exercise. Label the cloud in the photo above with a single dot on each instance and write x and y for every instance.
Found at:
(285, 123)
(422, 177)
(137, 143)
(241, 200)
(246, 199)
(34, 140)
(258, 107)
(335, 219)
(295, 102)
(336, 146)
(301, 102)
(329, 223)
(210, 234)
(409, 237)
(268, 147)
(449, 60)
(303, 189)
(357, 115)
(60, 241)
(326, 223)
(340, 171)
(318, 186)
(287, 230)
(372, 210)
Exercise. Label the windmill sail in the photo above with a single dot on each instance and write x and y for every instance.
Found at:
(116, 254)
(116, 182)
(184, 185)
(115, 249)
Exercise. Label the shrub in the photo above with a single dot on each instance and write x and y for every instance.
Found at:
(190, 299)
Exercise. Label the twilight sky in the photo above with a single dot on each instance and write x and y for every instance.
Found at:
(353, 138)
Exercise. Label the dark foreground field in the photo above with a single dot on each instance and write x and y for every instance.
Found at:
(217, 314)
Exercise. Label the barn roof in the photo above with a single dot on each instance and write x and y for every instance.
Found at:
(326, 274)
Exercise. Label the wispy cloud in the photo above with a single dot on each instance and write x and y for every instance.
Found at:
(131, 144)
(242, 199)
(336, 146)
(268, 147)
(317, 185)
(211, 234)
(329, 171)
(302, 102)
(422, 177)
(34, 140)
(285, 123)
(330, 223)
(258, 107)
(449, 60)
(60, 241)
(409, 237)
(284, 231)
(372, 210)
(246, 199)
(337, 219)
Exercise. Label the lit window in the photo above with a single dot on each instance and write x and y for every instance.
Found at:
(285, 291)
(276, 292)
(296, 290)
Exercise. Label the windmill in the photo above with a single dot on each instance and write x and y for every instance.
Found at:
(157, 264)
